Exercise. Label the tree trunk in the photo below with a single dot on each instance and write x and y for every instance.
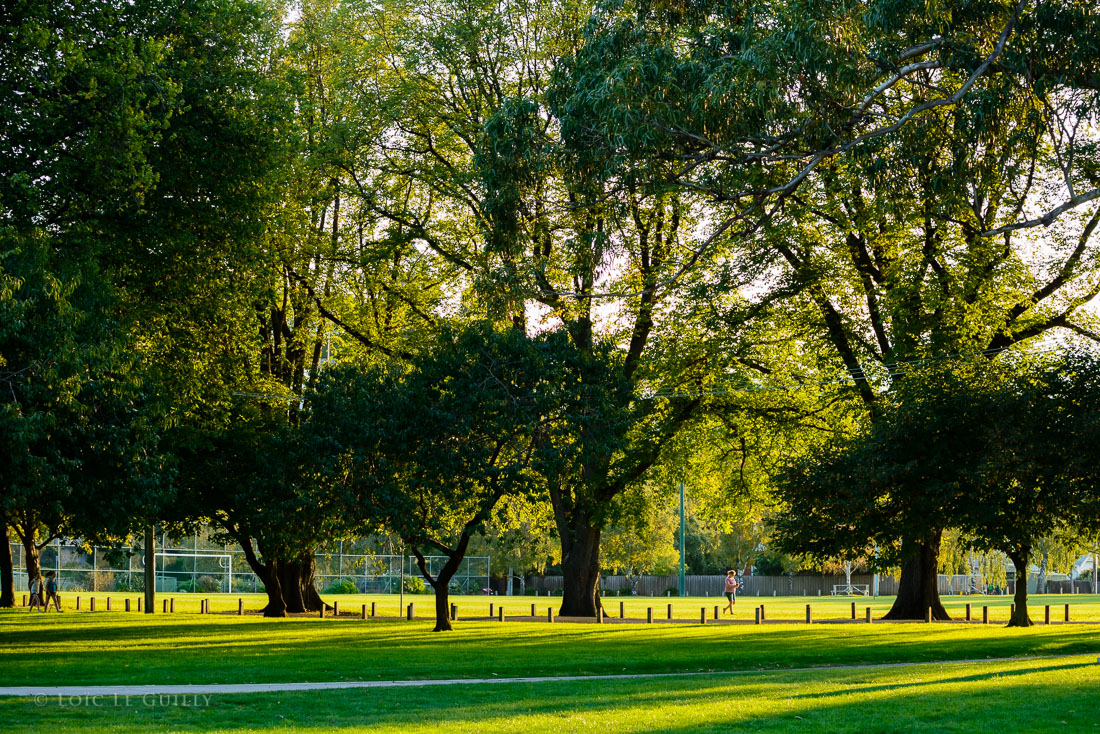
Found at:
(1020, 616)
(290, 581)
(442, 582)
(7, 572)
(918, 589)
(267, 573)
(30, 553)
(580, 566)
(442, 604)
(298, 583)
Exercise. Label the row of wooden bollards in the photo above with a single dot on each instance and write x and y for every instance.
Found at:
(168, 606)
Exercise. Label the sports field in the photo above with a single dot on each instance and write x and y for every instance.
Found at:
(778, 676)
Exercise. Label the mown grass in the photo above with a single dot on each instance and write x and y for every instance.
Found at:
(1016, 696)
(1084, 607)
(113, 647)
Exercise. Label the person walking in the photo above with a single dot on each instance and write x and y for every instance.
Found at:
(51, 592)
(37, 591)
(731, 590)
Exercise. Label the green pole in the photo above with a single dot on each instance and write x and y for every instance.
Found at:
(683, 527)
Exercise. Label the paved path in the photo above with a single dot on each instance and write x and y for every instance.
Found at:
(220, 688)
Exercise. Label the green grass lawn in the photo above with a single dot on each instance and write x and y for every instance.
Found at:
(1016, 696)
(1084, 607)
(762, 694)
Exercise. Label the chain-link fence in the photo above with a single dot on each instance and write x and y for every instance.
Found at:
(196, 563)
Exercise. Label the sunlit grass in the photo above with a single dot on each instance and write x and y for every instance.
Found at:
(1016, 696)
(1083, 607)
(115, 647)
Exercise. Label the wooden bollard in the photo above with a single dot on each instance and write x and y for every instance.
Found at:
(716, 612)
(763, 614)
(336, 609)
(240, 607)
(867, 614)
(968, 611)
(853, 610)
(703, 615)
(411, 614)
(928, 615)
(24, 600)
(809, 615)
(454, 612)
(91, 604)
(533, 612)
(78, 604)
(139, 604)
(757, 617)
(622, 610)
(1067, 612)
(321, 611)
(500, 614)
(364, 611)
(599, 616)
(127, 605)
(164, 607)
(985, 615)
(670, 611)
(649, 615)
(550, 614)
(490, 609)
(108, 604)
(172, 605)
(1046, 614)
(372, 608)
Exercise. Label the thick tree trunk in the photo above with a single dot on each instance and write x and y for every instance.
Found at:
(298, 583)
(7, 572)
(918, 589)
(1020, 616)
(290, 581)
(30, 553)
(580, 565)
(268, 573)
(307, 580)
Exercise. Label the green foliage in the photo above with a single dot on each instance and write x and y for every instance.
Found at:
(347, 586)
(413, 585)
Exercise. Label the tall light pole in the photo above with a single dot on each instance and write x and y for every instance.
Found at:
(683, 528)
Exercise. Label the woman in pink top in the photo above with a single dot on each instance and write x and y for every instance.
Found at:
(731, 590)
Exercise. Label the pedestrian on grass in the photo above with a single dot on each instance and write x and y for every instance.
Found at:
(37, 591)
(731, 590)
(51, 592)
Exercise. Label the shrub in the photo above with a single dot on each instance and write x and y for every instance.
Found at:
(207, 584)
(343, 586)
(414, 585)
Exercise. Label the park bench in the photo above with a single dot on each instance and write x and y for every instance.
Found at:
(851, 589)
